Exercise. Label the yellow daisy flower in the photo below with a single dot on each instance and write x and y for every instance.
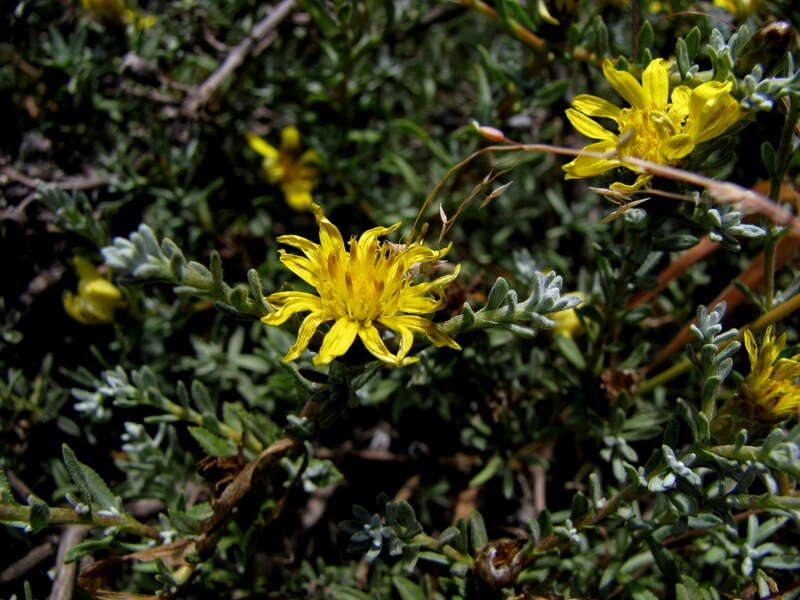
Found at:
(657, 127)
(295, 172)
(117, 12)
(97, 297)
(363, 290)
(769, 392)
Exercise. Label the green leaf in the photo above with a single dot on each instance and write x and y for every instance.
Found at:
(87, 547)
(497, 294)
(645, 39)
(202, 399)
(40, 514)
(664, 559)
(75, 472)
(212, 444)
(569, 349)
(693, 42)
(684, 64)
(6, 495)
(418, 132)
(580, 506)
(477, 531)
(95, 491)
(407, 589)
(487, 472)
(340, 592)
(781, 562)
(448, 535)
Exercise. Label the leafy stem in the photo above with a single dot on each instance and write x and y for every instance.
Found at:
(16, 513)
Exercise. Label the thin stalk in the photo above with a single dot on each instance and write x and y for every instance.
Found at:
(778, 171)
(66, 516)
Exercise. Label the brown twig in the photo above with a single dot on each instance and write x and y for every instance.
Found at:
(65, 580)
(236, 57)
(27, 562)
(74, 182)
(19, 486)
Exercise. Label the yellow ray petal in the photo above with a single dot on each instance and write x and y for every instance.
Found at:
(304, 268)
(337, 341)
(289, 303)
(298, 195)
(429, 329)
(372, 341)
(261, 146)
(679, 101)
(595, 107)
(290, 139)
(655, 82)
(365, 242)
(102, 290)
(677, 146)
(310, 157)
(705, 93)
(625, 84)
(406, 335)
(306, 246)
(588, 166)
(642, 179)
(419, 305)
(329, 235)
(436, 284)
(307, 329)
(588, 127)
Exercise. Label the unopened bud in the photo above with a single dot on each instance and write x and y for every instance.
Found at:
(490, 133)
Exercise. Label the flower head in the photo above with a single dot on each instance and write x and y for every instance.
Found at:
(295, 172)
(117, 12)
(739, 8)
(769, 392)
(97, 297)
(363, 290)
(658, 127)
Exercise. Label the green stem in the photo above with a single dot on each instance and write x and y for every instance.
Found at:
(66, 516)
(769, 265)
(197, 418)
(778, 171)
(749, 454)
(423, 539)
(628, 493)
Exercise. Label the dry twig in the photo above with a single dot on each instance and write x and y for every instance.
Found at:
(236, 57)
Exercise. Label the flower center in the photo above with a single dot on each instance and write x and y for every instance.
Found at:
(363, 286)
(651, 128)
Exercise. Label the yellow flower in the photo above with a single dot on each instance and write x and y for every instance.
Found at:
(363, 290)
(117, 12)
(739, 8)
(769, 392)
(294, 172)
(96, 298)
(657, 127)
(567, 322)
